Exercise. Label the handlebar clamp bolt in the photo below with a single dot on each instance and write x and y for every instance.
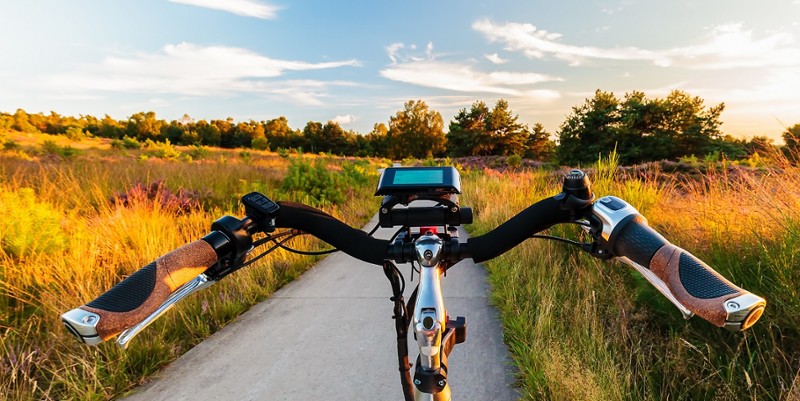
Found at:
(384, 210)
(89, 319)
(733, 306)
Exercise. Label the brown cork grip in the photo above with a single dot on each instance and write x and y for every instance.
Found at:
(694, 284)
(141, 293)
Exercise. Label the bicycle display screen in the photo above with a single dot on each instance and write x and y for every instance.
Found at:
(409, 180)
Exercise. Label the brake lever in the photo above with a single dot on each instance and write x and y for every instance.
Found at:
(659, 284)
(198, 283)
(599, 249)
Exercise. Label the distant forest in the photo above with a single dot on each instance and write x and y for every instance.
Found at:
(639, 128)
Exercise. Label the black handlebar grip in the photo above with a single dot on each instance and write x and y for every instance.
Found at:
(693, 283)
(140, 294)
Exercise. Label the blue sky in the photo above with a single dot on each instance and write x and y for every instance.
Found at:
(358, 62)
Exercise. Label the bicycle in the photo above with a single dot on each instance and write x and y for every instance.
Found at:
(615, 228)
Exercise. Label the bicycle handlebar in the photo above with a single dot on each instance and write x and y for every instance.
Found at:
(693, 284)
(349, 240)
(537, 217)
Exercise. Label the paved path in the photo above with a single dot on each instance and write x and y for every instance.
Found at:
(329, 336)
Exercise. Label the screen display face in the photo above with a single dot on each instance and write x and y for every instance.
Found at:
(416, 177)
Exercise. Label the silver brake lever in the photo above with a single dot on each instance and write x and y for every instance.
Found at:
(659, 284)
(197, 283)
(653, 279)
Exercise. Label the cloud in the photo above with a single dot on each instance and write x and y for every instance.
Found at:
(536, 43)
(495, 58)
(345, 119)
(245, 8)
(194, 70)
(724, 47)
(730, 46)
(392, 50)
(456, 76)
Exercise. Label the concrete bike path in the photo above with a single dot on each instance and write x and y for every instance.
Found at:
(329, 336)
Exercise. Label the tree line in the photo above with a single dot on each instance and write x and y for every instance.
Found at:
(639, 128)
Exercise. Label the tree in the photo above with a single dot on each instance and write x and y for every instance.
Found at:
(416, 131)
(589, 130)
(792, 139)
(642, 129)
(375, 143)
(226, 130)
(539, 146)
(22, 123)
(336, 140)
(481, 132)
(208, 133)
(143, 126)
(507, 135)
(279, 134)
(110, 128)
(312, 134)
(467, 134)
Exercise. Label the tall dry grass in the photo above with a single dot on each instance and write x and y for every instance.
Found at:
(581, 329)
(64, 242)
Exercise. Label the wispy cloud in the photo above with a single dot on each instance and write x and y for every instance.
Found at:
(724, 47)
(731, 46)
(190, 69)
(458, 76)
(245, 8)
(537, 43)
(495, 58)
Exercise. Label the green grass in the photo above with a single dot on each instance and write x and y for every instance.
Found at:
(581, 329)
(63, 241)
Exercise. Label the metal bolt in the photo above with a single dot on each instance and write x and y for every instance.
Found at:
(454, 209)
(384, 210)
(441, 383)
(89, 319)
(733, 305)
(417, 382)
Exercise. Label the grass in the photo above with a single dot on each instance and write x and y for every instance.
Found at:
(580, 329)
(66, 236)
(577, 328)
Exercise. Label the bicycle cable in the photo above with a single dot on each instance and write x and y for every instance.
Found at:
(308, 253)
(274, 247)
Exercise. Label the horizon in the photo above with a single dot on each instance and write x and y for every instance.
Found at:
(259, 60)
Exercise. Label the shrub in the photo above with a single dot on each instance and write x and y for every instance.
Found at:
(320, 184)
(51, 148)
(260, 143)
(514, 161)
(126, 143)
(157, 193)
(199, 152)
(75, 133)
(161, 150)
(27, 225)
(10, 145)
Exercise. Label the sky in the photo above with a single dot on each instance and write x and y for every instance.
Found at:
(358, 62)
